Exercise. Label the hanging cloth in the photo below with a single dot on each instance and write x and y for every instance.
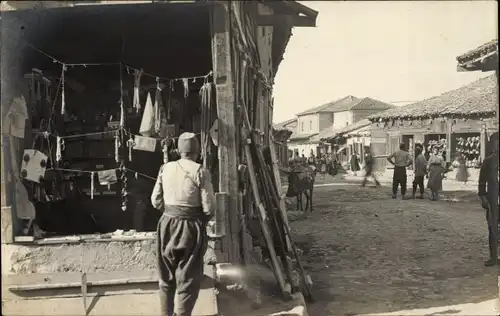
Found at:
(148, 118)
(122, 109)
(63, 93)
(157, 106)
(117, 148)
(185, 83)
(161, 123)
(169, 106)
(144, 143)
(92, 187)
(205, 96)
(107, 177)
(59, 148)
(137, 85)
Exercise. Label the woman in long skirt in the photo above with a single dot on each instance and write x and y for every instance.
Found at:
(436, 167)
(355, 163)
(462, 173)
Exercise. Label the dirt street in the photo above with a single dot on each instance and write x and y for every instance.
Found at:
(368, 253)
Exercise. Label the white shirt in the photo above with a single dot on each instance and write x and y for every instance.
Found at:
(184, 183)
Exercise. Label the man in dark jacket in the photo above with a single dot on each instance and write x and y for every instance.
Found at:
(488, 193)
(369, 165)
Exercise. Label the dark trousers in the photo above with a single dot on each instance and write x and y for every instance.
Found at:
(491, 236)
(418, 181)
(181, 245)
(399, 178)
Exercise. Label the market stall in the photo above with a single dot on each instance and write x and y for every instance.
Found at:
(456, 122)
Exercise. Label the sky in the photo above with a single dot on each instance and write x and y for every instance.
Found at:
(389, 50)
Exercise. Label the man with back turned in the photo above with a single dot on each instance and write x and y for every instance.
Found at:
(184, 192)
(402, 159)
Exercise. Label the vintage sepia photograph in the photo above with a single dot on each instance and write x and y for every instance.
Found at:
(249, 158)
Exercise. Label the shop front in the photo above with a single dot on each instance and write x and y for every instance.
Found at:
(457, 123)
(93, 101)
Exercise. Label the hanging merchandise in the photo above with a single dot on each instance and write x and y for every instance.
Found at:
(117, 148)
(34, 165)
(170, 90)
(206, 109)
(137, 85)
(148, 119)
(185, 83)
(59, 148)
(63, 93)
(124, 182)
(15, 119)
(164, 148)
(107, 177)
(160, 116)
(144, 143)
(122, 109)
(130, 145)
(171, 130)
(92, 187)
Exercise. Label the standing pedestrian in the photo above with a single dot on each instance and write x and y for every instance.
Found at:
(184, 192)
(402, 159)
(420, 170)
(355, 163)
(463, 173)
(488, 193)
(369, 165)
(437, 168)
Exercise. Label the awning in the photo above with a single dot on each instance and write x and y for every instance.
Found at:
(341, 148)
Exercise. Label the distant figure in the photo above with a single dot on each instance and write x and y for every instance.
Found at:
(437, 168)
(311, 160)
(463, 173)
(402, 159)
(355, 163)
(420, 170)
(369, 165)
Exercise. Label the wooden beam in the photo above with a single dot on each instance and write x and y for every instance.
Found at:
(296, 6)
(227, 151)
(282, 19)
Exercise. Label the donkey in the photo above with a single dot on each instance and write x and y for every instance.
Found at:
(301, 181)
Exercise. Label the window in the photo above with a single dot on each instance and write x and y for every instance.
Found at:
(302, 126)
(310, 125)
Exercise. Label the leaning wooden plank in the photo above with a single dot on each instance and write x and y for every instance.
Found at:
(277, 179)
(262, 212)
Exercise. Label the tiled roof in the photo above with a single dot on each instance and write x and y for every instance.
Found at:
(283, 125)
(298, 136)
(371, 104)
(478, 52)
(478, 97)
(336, 106)
(329, 133)
(350, 103)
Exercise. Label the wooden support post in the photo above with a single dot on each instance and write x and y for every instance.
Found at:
(223, 77)
(483, 141)
(448, 140)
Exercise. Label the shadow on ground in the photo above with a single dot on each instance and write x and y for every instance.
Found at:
(368, 253)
